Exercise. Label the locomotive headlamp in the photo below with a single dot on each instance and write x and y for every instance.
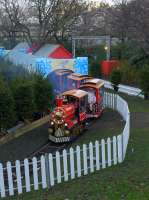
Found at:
(106, 48)
(58, 114)
(52, 123)
(67, 132)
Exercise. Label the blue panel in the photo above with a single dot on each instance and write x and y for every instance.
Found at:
(43, 66)
(2, 51)
(22, 50)
(81, 65)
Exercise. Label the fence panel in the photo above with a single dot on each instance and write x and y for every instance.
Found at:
(10, 179)
(27, 175)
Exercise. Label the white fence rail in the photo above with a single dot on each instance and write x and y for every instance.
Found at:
(19, 177)
(126, 89)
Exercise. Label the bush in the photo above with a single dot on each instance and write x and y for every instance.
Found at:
(115, 78)
(94, 68)
(129, 73)
(9, 71)
(43, 94)
(144, 81)
(7, 109)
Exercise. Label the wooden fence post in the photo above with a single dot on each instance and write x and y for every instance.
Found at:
(51, 170)
(35, 173)
(109, 151)
(115, 150)
(65, 164)
(119, 141)
(91, 157)
(78, 161)
(18, 174)
(72, 170)
(43, 172)
(85, 159)
(47, 169)
(103, 153)
(58, 167)
(2, 185)
(97, 155)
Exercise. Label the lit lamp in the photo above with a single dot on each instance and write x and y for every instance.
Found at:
(106, 48)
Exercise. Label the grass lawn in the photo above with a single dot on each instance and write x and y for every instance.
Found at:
(126, 181)
(136, 104)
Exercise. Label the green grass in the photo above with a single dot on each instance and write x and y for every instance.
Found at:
(136, 104)
(126, 181)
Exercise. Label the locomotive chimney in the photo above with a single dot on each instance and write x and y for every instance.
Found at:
(59, 101)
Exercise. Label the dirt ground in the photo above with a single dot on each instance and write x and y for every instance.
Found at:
(22, 147)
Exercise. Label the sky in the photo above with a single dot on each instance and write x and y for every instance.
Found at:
(106, 1)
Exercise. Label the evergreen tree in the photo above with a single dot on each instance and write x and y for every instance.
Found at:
(42, 93)
(116, 77)
(144, 81)
(24, 98)
(7, 113)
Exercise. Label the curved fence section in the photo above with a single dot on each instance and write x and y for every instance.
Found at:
(31, 174)
(117, 103)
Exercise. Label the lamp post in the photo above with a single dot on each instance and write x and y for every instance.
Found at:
(108, 48)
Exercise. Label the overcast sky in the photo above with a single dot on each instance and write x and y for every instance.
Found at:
(106, 1)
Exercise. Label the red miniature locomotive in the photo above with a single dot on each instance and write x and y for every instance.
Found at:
(74, 108)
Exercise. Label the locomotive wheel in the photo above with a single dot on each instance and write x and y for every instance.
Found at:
(77, 130)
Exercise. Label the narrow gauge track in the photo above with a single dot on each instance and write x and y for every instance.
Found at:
(49, 147)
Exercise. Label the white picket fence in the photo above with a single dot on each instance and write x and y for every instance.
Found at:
(19, 177)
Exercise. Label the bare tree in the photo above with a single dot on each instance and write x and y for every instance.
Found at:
(53, 18)
(12, 20)
(140, 22)
(119, 19)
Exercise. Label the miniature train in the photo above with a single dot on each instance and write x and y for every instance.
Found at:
(75, 107)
